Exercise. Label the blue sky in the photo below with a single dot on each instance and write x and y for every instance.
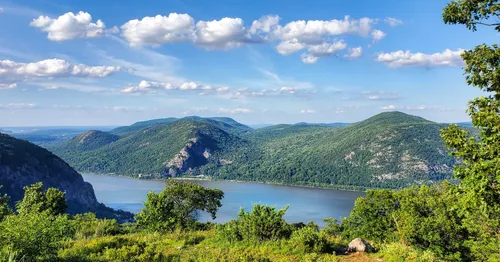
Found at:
(116, 62)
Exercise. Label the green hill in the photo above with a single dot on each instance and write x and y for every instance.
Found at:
(225, 123)
(90, 140)
(387, 150)
(185, 144)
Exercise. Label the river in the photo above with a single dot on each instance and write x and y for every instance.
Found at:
(306, 204)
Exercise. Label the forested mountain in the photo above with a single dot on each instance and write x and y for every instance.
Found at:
(23, 163)
(223, 123)
(388, 150)
(158, 149)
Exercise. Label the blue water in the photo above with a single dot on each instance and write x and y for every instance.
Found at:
(306, 204)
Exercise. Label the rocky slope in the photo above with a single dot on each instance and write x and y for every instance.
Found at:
(23, 163)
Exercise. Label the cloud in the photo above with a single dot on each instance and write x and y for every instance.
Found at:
(7, 86)
(377, 35)
(354, 52)
(315, 36)
(265, 26)
(234, 111)
(17, 106)
(69, 26)
(226, 111)
(54, 68)
(313, 31)
(325, 49)
(12, 72)
(289, 47)
(220, 34)
(149, 87)
(158, 30)
(1, 10)
(410, 108)
(393, 21)
(307, 111)
(406, 58)
(380, 95)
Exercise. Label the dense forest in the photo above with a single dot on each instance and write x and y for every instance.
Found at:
(391, 149)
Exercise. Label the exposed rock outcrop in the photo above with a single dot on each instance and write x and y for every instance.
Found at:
(23, 163)
(193, 154)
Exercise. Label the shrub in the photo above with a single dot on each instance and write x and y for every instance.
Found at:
(33, 236)
(311, 239)
(88, 226)
(396, 252)
(263, 223)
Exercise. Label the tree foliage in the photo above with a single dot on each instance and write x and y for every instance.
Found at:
(177, 205)
(479, 190)
(35, 200)
(4, 207)
(261, 224)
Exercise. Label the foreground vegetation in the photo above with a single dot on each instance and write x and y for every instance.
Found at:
(443, 222)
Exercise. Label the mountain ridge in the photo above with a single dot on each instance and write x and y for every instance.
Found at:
(390, 149)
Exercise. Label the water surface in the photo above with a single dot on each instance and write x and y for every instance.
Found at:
(306, 204)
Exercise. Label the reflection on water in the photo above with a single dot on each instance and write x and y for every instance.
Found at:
(306, 204)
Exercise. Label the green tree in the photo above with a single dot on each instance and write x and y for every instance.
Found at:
(35, 200)
(177, 206)
(33, 236)
(4, 207)
(479, 172)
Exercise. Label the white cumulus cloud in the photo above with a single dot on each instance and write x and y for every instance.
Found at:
(307, 111)
(69, 26)
(406, 58)
(393, 21)
(12, 72)
(158, 30)
(354, 52)
(377, 35)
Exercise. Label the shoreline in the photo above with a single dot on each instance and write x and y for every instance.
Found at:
(232, 181)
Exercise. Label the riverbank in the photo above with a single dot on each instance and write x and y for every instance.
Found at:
(187, 178)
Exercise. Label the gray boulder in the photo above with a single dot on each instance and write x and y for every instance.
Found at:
(359, 245)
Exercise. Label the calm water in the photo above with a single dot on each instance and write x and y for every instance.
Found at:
(306, 204)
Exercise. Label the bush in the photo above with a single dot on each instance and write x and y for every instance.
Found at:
(88, 226)
(311, 239)
(396, 252)
(263, 223)
(33, 236)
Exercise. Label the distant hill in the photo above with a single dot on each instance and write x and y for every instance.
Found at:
(91, 140)
(224, 123)
(23, 163)
(391, 149)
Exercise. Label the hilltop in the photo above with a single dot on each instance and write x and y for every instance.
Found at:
(390, 149)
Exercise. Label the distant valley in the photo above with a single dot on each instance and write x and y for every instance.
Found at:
(391, 150)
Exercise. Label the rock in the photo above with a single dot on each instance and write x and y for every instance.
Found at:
(193, 154)
(359, 245)
(23, 163)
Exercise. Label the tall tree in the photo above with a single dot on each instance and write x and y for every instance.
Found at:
(176, 206)
(479, 172)
(36, 200)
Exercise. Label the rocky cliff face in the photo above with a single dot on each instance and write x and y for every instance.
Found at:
(193, 154)
(23, 164)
